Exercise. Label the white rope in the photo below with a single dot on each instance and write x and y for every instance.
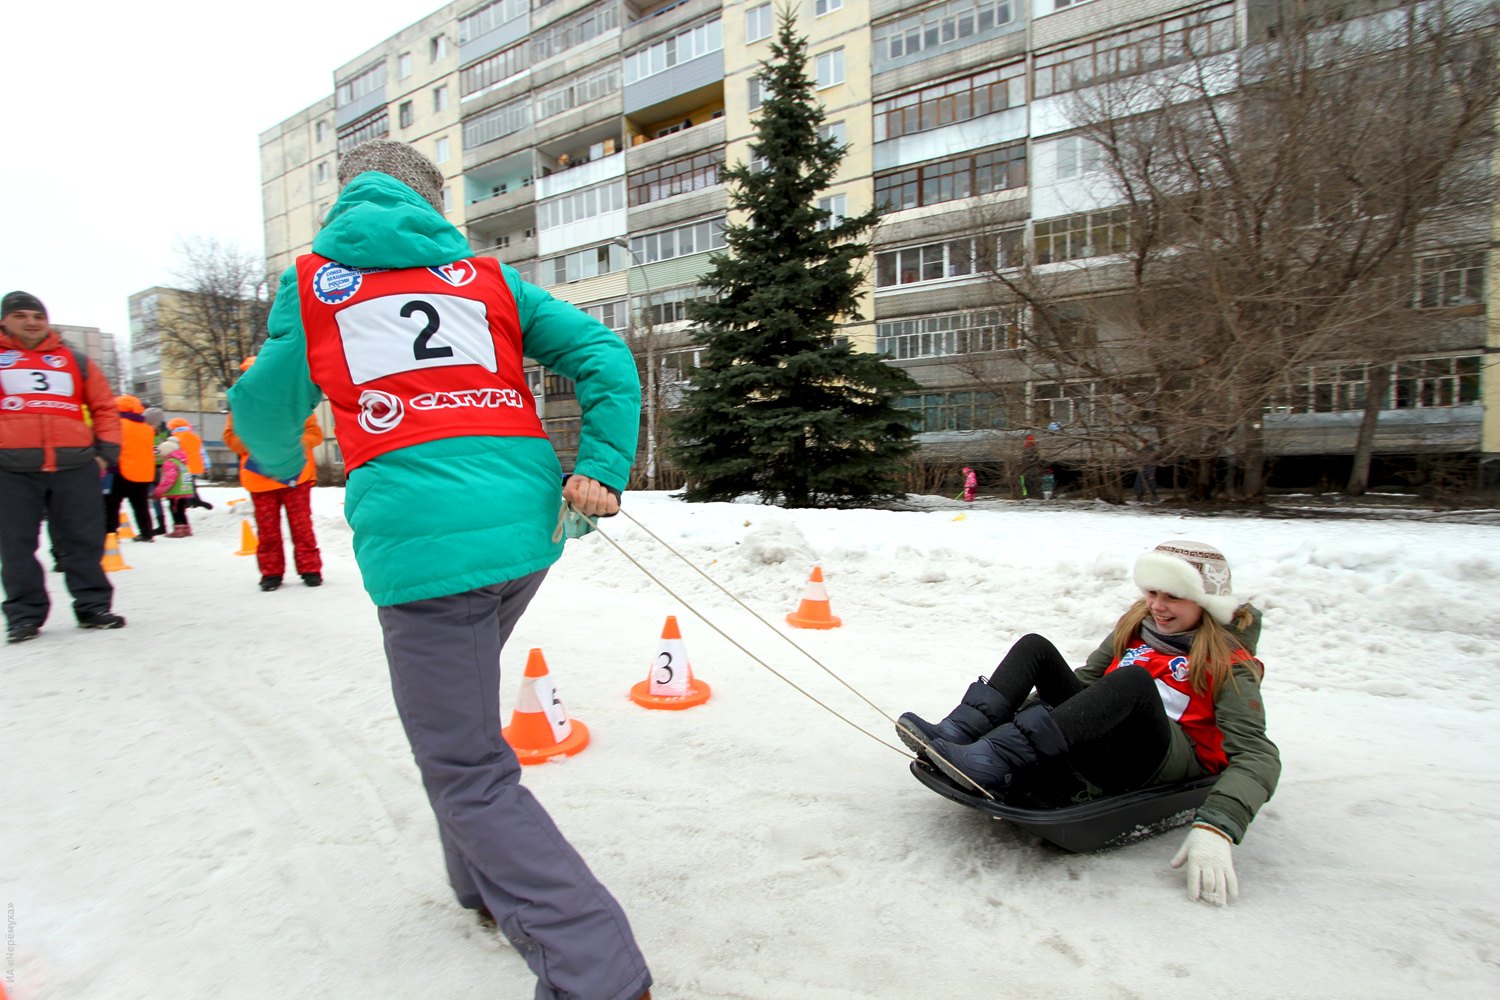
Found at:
(732, 641)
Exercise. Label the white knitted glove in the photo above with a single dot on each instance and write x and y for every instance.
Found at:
(1210, 873)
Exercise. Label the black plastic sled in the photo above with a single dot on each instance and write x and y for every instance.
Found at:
(1110, 821)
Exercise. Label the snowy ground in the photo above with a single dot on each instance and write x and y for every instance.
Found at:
(218, 800)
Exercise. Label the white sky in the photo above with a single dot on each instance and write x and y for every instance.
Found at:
(130, 127)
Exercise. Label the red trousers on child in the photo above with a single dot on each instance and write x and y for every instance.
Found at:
(269, 553)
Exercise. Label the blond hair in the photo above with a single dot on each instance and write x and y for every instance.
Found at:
(1211, 657)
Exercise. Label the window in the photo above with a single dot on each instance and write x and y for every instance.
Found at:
(442, 150)
(582, 264)
(1166, 43)
(940, 24)
(440, 98)
(690, 173)
(834, 131)
(1090, 234)
(752, 90)
(403, 66)
(322, 173)
(954, 101)
(674, 50)
(373, 126)
(1077, 156)
(404, 114)
(558, 38)
(958, 411)
(577, 92)
(950, 334)
(503, 120)
(492, 70)
(830, 68)
(670, 306)
(611, 314)
(320, 132)
(1418, 384)
(929, 262)
(758, 23)
(958, 177)
(487, 18)
(447, 199)
(437, 48)
(835, 206)
(360, 84)
(1449, 280)
(700, 237)
(576, 206)
(821, 7)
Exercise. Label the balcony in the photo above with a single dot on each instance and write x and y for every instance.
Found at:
(648, 152)
(644, 22)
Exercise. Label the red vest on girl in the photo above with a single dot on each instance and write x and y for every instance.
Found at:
(415, 354)
(1192, 711)
(38, 381)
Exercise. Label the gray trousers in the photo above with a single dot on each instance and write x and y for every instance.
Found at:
(501, 847)
(72, 501)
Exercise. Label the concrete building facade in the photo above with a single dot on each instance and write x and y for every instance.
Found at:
(583, 140)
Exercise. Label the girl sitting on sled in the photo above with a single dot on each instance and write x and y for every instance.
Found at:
(1172, 694)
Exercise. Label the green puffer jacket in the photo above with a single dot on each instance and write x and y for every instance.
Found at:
(1254, 762)
(450, 515)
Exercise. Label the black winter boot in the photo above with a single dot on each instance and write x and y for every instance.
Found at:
(990, 764)
(982, 709)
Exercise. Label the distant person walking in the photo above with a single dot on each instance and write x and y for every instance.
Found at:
(271, 496)
(133, 472)
(971, 485)
(1031, 468)
(59, 432)
(1145, 472)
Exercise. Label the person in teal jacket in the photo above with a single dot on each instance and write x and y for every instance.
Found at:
(458, 507)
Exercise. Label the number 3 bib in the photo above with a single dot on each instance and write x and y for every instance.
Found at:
(415, 354)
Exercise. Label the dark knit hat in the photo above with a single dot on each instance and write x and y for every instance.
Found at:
(14, 301)
(398, 160)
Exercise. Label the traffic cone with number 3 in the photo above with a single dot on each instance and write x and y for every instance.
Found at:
(669, 682)
(539, 727)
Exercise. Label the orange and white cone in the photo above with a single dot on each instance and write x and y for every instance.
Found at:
(539, 727)
(669, 679)
(814, 611)
(112, 559)
(247, 539)
(125, 530)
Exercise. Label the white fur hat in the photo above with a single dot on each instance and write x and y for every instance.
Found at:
(1194, 570)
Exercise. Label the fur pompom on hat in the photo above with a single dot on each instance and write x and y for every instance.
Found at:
(398, 160)
(1193, 570)
(168, 448)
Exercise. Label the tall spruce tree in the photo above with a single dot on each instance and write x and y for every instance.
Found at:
(777, 406)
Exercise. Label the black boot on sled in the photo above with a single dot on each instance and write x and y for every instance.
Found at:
(982, 710)
(988, 765)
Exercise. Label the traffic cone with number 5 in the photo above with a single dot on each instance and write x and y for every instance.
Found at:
(539, 727)
(669, 682)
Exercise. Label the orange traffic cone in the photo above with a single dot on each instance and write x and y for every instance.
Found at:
(539, 727)
(125, 530)
(669, 680)
(814, 612)
(112, 559)
(247, 540)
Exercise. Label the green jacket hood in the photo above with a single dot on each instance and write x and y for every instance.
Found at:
(380, 222)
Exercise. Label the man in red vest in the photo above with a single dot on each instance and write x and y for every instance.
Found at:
(52, 455)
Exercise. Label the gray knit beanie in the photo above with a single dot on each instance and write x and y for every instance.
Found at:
(398, 160)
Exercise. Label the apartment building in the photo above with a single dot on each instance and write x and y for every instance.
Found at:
(98, 346)
(584, 141)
